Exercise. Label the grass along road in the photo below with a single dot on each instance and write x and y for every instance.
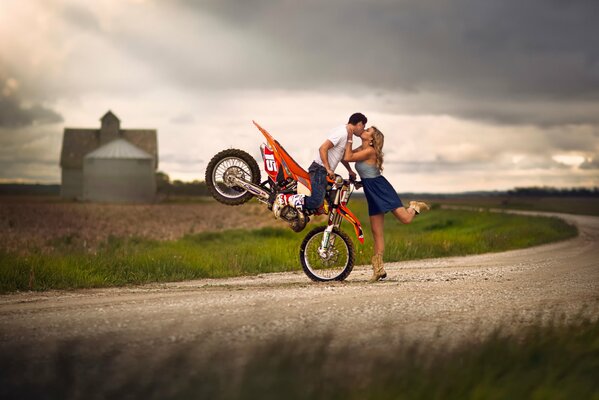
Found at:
(66, 264)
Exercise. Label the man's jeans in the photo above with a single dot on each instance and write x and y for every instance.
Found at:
(318, 180)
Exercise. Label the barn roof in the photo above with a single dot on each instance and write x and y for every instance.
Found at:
(76, 142)
(119, 149)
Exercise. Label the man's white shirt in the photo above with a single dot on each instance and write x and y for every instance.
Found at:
(338, 137)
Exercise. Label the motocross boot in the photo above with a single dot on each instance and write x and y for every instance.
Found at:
(378, 272)
(419, 206)
(294, 200)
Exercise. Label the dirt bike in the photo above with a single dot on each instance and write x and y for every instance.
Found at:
(326, 253)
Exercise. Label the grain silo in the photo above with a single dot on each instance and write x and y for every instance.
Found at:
(78, 142)
(119, 172)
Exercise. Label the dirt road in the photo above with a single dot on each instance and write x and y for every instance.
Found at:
(428, 299)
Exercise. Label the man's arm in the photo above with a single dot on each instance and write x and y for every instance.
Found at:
(323, 150)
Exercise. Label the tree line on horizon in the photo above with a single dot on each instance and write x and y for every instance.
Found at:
(167, 187)
(555, 192)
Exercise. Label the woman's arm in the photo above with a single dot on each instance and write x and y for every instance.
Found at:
(352, 174)
(357, 154)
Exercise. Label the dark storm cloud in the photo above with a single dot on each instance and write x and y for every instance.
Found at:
(492, 59)
(503, 62)
(591, 164)
(531, 48)
(29, 153)
(13, 114)
(15, 111)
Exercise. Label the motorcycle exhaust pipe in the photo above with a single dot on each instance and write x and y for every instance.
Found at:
(250, 187)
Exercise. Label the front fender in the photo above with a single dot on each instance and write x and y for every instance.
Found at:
(348, 215)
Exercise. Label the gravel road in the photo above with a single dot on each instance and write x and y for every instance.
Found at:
(449, 298)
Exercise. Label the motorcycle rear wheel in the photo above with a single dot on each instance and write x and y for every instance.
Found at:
(338, 262)
(227, 163)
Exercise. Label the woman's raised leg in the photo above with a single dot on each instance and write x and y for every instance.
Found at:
(404, 215)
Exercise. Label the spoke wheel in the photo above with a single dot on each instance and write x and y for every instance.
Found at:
(221, 171)
(334, 264)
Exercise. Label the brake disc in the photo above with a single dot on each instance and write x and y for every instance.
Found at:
(231, 173)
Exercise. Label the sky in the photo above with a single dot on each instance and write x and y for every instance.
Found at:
(470, 94)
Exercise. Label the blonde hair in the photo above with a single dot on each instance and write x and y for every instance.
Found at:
(378, 140)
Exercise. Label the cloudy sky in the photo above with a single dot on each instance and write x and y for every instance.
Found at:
(470, 94)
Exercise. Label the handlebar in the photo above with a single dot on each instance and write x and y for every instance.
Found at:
(339, 181)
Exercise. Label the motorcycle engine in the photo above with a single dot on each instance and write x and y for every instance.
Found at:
(291, 215)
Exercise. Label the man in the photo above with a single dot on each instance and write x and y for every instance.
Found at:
(330, 153)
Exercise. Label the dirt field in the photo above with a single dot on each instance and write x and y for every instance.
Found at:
(36, 222)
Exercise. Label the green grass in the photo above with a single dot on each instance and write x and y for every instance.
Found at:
(568, 205)
(544, 361)
(441, 234)
(129, 261)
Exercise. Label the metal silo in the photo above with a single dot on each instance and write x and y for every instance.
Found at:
(119, 172)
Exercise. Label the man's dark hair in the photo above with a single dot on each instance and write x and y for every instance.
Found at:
(357, 117)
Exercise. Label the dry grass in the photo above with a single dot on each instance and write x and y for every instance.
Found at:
(545, 361)
(33, 222)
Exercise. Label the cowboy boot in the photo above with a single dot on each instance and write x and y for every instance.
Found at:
(378, 272)
(419, 206)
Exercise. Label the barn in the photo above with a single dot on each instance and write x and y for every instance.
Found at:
(109, 164)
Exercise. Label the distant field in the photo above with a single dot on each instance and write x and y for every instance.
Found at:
(40, 223)
(72, 245)
(568, 205)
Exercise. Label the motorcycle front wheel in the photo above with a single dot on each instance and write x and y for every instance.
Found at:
(228, 164)
(335, 264)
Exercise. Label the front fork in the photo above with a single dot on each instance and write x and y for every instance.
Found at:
(336, 215)
(327, 239)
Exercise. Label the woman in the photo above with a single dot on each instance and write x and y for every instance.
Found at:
(380, 195)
